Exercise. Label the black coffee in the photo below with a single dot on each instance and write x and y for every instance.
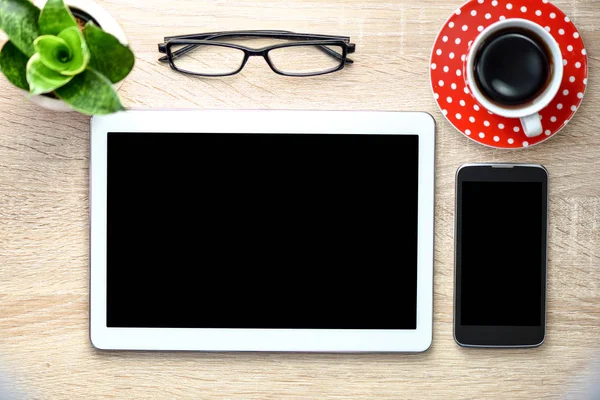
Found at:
(513, 67)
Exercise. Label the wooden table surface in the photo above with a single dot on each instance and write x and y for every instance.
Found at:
(44, 247)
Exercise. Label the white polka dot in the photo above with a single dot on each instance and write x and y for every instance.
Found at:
(458, 116)
(577, 64)
(445, 112)
(488, 16)
(449, 99)
(471, 119)
(570, 48)
(502, 18)
(470, 43)
(576, 35)
(457, 41)
(491, 113)
(559, 106)
(553, 119)
(585, 81)
(494, 3)
(580, 95)
(458, 11)
(523, 9)
(509, 6)
(445, 39)
(573, 108)
(496, 139)
(486, 123)
(545, 1)
(525, 144)
(433, 65)
(438, 52)
(480, 28)
(480, 1)
(572, 79)
(463, 57)
(462, 103)
(451, 24)
(548, 132)
(561, 31)
(511, 141)
(566, 122)
(501, 126)
(458, 72)
(565, 92)
(465, 28)
(481, 135)
(468, 132)
(476, 107)
(441, 83)
(565, 62)
(547, 28)
(437, 96)
(474, 13)
(516, 129)
(453, 86)
(446, 69)
(584, 52)
(552, 15)
(567, 19)
(451, 55)
(538, 13)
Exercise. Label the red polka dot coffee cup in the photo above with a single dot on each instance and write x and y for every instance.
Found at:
(448, 72)
(495, 55)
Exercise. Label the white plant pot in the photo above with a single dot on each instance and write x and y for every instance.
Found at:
(106, 22)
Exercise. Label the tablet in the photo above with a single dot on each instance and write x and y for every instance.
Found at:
(262, 231)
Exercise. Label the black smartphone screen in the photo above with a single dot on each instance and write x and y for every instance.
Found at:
(501, 250)
(501, 263)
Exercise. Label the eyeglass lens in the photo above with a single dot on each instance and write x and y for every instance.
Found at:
(207, 59)
(307, 59)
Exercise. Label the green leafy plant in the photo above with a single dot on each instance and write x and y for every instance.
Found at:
(47, 53)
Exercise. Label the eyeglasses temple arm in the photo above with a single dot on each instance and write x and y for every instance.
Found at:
(162, 48)
(336, 55)
(276, 34)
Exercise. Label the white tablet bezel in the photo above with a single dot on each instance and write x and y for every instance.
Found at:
(295, 122)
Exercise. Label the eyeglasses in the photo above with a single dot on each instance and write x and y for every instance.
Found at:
(209, 54)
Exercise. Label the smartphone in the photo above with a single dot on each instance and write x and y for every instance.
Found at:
(501, 236)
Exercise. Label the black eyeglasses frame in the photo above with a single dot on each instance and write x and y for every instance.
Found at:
(321, 41)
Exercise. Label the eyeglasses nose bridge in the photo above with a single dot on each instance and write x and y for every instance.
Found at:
(256, 53)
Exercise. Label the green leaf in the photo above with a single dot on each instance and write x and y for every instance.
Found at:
(55, 18)
(13, 64)
(54, 52)
(80, 55)
(107, 55)
(90, 93)
(19, 20)
(42, 79)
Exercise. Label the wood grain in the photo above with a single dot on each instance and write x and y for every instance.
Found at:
(44, 245)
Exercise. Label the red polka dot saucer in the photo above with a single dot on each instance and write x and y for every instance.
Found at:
(448, 77)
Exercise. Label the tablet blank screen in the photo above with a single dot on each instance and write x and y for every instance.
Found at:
(262, 231)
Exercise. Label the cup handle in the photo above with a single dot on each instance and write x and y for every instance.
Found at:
(532, 126)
